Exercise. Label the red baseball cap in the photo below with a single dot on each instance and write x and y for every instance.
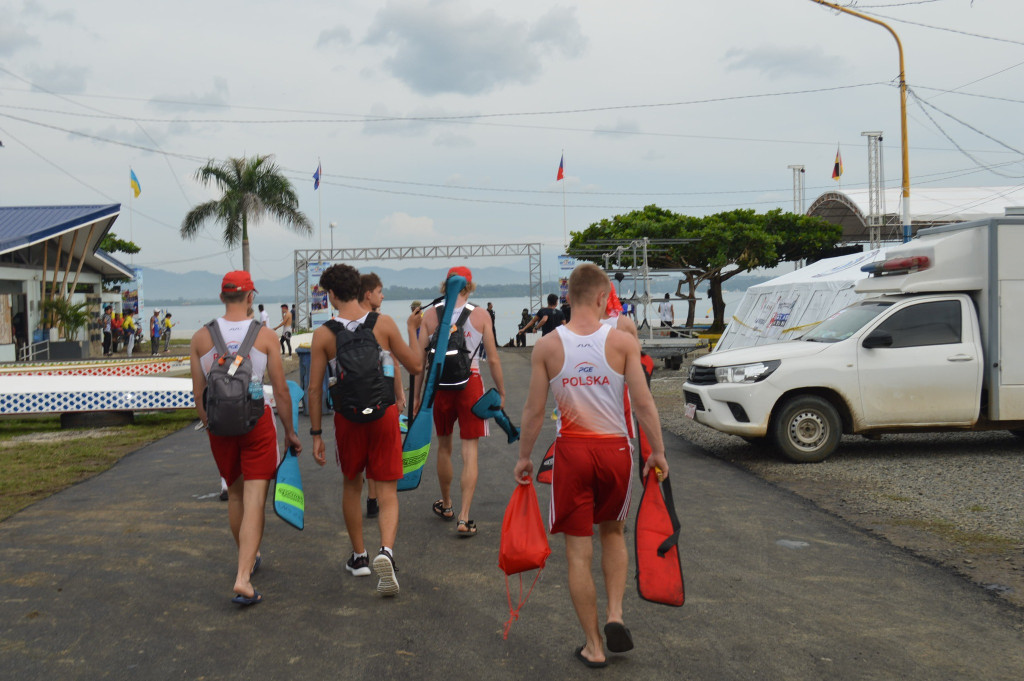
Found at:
(462, 272)
(237, 281)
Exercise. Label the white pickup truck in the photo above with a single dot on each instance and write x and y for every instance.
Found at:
(938, 346)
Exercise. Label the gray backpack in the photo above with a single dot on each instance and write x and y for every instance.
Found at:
(233, 397)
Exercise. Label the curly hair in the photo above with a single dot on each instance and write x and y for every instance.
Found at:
(343, 281)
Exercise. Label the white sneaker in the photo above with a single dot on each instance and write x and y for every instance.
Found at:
(384, 566)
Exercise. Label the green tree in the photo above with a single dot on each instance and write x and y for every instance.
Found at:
(253, 189)
(114, 244)
(726, 244)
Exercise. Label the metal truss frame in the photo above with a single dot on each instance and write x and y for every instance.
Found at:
(303, 258)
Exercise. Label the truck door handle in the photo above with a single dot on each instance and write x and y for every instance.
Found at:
(959, 358)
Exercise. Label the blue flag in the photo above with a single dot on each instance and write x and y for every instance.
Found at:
(316, 178)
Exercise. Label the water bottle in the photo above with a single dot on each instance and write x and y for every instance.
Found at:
(387, 363)
(255, 390)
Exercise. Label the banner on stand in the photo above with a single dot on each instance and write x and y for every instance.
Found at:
(319, 306)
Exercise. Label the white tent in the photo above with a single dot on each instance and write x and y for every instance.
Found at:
(785, 307)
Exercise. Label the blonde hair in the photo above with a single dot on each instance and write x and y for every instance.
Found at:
(467, 289)
(586, 280)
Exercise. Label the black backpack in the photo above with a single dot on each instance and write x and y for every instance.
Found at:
(361, 392)
(458, 363)
(233, 397)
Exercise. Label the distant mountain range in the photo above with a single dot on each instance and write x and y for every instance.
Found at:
(161, 287)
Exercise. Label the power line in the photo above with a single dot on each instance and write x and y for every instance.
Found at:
(943, 28)
(942, 130)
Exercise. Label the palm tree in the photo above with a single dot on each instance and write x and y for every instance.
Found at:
(253, 189)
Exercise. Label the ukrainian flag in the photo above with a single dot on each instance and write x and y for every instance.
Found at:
(135, 183)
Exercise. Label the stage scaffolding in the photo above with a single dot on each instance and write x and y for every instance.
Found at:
(303, 258)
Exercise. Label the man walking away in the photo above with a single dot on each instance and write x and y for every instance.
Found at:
(586, 364)
(667, 312)
(247, 462)
(286, 329)
(372, 446)
(456, 403)
(547, 318)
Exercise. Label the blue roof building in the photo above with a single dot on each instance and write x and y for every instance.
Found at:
(47, 252)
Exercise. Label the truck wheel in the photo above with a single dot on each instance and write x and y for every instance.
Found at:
(807, 429)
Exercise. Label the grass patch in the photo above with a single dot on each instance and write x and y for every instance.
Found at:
(35, 470)
(952, 533)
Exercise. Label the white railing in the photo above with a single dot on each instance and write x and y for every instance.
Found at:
(30, 352)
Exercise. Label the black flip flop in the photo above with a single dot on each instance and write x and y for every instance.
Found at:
(588, 663)
(440, 510)
(617, 637)
(246, 601)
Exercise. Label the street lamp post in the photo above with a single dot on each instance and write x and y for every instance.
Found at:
(333, 225)
(903, 113)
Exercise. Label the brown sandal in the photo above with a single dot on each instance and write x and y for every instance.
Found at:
(443, 512)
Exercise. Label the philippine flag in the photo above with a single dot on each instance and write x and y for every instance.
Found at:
(561, 169)
(316, 178)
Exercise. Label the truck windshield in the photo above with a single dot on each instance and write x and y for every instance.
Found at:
(845, 323)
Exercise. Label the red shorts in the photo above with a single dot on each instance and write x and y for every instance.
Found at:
(254, 456)
(590, 483)
(375, 447)
(457, 405)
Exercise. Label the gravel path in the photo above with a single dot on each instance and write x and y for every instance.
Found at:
(953, 498)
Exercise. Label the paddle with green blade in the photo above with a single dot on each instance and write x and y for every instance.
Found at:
(289, 499)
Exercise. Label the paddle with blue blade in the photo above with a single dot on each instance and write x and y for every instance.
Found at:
(489, 407)
(289, 499)
(417, 440)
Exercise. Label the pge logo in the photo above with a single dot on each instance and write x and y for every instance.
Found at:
(585, 368)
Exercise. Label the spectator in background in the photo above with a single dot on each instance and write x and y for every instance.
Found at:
(165, 332)
(286, 329)
(295, 321)
(116, 324)
(154, 331)
(264, 316)
(521, 334)
(128, 329)
(106, 322)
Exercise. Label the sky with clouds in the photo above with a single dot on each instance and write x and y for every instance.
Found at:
(443, 121)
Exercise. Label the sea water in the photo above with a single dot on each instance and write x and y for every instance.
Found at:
(507, 313)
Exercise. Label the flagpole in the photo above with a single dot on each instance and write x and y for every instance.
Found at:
(565, 231)
(319, 204)
(131, 221)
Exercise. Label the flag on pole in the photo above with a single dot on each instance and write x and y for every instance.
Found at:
(316, 177)
(136, 187)
(561, 169)
(837, 169)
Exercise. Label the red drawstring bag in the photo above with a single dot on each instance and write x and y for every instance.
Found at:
(524, 545)
(659, 575)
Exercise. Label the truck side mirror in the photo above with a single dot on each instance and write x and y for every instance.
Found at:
(878, 339)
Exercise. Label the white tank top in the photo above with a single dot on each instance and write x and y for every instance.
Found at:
(588, 391)
(234, 334)
(473, 337)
